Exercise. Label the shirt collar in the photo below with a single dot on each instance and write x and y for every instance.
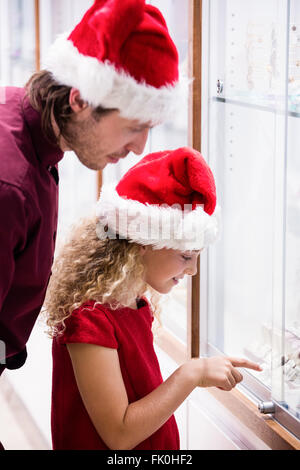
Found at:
(47, 153)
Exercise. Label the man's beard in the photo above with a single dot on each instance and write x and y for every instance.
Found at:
(90, 156)
(81, 146)
(119, 155)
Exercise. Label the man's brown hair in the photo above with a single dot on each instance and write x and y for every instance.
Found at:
(51, 100)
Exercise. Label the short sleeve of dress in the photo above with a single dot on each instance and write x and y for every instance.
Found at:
(89, 324)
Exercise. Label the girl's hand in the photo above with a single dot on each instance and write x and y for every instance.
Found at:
(220, 371)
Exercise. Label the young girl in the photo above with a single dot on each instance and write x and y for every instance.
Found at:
(108, 392)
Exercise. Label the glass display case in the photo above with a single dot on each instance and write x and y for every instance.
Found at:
(250, 280)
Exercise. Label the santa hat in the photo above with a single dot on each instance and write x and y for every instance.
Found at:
(120, 56)
(167, 200)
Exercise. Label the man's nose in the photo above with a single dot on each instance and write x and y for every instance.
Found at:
(137, 144)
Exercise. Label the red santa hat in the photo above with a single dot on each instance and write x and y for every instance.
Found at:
(167, 200)
(120, 56)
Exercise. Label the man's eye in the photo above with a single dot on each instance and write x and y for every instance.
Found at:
(186, 258)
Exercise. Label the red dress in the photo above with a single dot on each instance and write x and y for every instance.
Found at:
(128, 331)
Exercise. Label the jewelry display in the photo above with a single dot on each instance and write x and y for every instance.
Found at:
(278, 369)
(262, 70)
(261, 56)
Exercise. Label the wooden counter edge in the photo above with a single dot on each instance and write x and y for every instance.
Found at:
(264, 426)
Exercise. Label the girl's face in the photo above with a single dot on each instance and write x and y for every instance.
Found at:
(165, 267)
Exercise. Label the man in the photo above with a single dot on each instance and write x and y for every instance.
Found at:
(104, 85)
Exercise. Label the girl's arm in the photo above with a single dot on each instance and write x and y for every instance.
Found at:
(122, 425)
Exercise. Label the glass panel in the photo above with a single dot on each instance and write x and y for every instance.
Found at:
(245, 89)
(168, 136)
(291, 388)
(291, 392)
(253, 271)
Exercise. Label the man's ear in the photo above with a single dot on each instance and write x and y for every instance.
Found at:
(76, 102)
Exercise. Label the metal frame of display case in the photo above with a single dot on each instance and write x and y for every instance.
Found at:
(195, 124)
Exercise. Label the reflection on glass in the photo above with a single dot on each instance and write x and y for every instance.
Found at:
(254, 270)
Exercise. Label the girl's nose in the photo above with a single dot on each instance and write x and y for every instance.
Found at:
(192, 267)
(137, 144)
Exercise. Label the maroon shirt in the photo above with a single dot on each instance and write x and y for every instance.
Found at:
(28, 220)
(129, 332)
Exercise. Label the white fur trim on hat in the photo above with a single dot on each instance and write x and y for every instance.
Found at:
(100, 83)
(160, 226)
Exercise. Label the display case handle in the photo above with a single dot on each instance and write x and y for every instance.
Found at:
(266, 407)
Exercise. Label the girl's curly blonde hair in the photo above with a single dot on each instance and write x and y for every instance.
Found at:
(87, 268)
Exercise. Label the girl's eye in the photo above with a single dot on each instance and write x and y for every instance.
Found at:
(137, 129)
(186, 258)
